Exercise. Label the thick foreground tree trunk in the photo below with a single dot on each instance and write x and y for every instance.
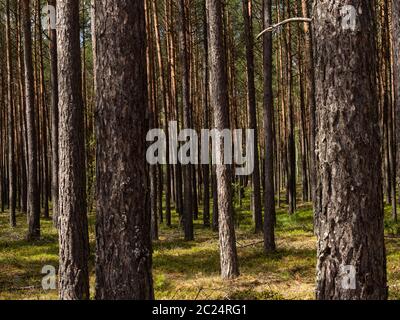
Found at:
(124, 252)
(73, 225)
(351, 250)
(219, 103)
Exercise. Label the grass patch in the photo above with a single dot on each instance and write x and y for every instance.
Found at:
(190, 270)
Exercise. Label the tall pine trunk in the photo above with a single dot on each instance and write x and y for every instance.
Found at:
(124, 251)
(220, 104)
(10, 122)
(310, 93)
(349, 193)
(396, 75)
(54, 120)
(206, 117)
(269, 190)
(186, 169)
(252, 110)
(33, 190)
(73, 224)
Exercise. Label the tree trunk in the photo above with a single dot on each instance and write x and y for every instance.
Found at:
(269, 191)
(396, 74)
(124, 251)
(206, 167)
(153, 110)
(54, 120)
(74, 243)
(166, 103)
(186, 169)
(219, 103)
(215, 199)
(252, 110)
(310, 93)
(291, 144)
(33, 190)
(10, 123)
(349, 194)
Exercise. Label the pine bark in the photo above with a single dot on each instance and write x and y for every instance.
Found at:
(54, 119)
(396, 74)
(206, 167)
(252, 111)
(73, 224)
(10, 122)
(269, 189)
(310, 93)
(124, 251)
(220, 105)
(33, 190)
(186, 169)
(349, 195)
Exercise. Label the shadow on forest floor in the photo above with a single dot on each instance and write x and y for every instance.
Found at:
(190, 270)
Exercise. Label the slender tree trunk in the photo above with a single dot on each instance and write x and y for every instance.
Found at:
(166, 103)
(151, 84)
(22, 122)
(269, 191)
(10, 123)
(54, 119)
(252, 111)
(310, 93)
(206, 167)
(33, 190)
(43, 134)
(219, 103)
(187, 172)
(124, 252)
(396, 75)
(74, 243)
(349, 194)
(215, 199)
(291, 144)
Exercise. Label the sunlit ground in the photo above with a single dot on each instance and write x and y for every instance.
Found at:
(190, 270)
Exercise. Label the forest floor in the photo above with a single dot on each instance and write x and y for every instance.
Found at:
(190, 270)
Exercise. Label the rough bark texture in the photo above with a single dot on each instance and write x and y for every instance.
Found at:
(54, 120)
(310, 93)
(124, 253)
(186, 169)
(33, 190)
(349, 193)
(10, 122)
(206, 167)
(396, 74)
(219, 103)
(74, 243)
(214, 188)
(269, 190)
